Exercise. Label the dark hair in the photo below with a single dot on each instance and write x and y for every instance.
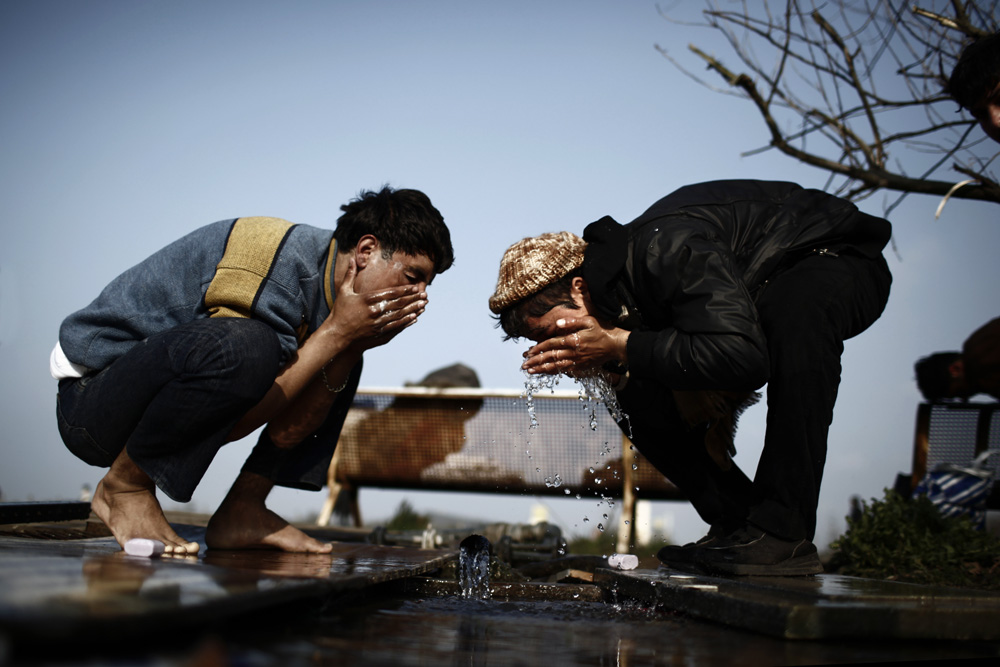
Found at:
(513, 318)
(933, 376)
(401, 220)
(977, 72)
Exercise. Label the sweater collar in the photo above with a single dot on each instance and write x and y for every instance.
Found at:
(329, 288)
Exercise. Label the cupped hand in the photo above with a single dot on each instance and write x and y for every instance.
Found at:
(371, 319)
(578, 344)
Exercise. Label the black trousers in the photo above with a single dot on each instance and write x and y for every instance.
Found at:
(807, 312)
(172, 400)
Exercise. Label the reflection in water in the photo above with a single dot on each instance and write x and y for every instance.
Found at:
(273, 563)
(457, 631)
(116, 574)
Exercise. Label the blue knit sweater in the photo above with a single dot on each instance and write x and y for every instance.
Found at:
(265, 268)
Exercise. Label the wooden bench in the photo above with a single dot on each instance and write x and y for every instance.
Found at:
(478, 440)
(956, 433)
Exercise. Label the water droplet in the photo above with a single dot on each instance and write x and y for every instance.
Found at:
(532, 385)
(594, 389)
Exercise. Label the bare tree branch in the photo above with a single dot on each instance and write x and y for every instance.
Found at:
(845, 85)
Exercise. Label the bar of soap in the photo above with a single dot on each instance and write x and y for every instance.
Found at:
(623, 561)
(140, 546)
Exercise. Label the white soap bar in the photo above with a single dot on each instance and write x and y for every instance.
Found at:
(623, 561)
(140, 546)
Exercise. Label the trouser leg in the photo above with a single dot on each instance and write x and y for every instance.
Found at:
(807, 313)
(722, 498)
(172, 400)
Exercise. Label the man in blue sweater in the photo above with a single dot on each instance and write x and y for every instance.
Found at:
(240, 324)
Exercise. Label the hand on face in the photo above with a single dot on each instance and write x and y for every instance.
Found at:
(370, 319)
(576, 344)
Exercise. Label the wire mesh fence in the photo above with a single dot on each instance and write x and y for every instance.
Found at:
(483, 440)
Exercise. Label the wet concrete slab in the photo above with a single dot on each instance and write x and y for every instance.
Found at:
(819, 607)
(74, 587)
(503, 591)
(77, 583)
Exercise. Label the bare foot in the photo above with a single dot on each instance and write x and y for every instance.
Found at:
(244, 522)
(125, 500)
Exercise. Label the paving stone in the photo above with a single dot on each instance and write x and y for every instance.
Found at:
(818, 607)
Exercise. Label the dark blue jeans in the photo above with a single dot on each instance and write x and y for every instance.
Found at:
(807, 312)
(172, 400)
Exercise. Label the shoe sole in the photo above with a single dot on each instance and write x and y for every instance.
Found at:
(793, 567)
(686, 568)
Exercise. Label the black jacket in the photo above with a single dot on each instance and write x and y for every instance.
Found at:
(684, 275)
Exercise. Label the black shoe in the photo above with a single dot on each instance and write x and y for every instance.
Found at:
(675, 554)
(751, 551)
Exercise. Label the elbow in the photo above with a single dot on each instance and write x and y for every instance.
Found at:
(755, 372)
(756, 380)
(748, 370)
(758, 372)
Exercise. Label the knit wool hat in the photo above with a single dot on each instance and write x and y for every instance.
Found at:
(534, 263)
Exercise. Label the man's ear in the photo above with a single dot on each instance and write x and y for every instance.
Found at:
(957, 369)
(579, 291)
(364, 250)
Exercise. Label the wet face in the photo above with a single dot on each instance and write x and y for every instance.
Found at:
(544, 327)
(399, 269)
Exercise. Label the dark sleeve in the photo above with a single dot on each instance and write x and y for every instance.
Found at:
(713, 339)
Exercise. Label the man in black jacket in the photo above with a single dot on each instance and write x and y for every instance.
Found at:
(714, 291)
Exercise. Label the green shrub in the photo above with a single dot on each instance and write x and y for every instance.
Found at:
(906, 539)
(406, 518)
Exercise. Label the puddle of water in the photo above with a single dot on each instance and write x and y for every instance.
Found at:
(456, 631)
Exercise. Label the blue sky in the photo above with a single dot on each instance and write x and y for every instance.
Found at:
(127, 124)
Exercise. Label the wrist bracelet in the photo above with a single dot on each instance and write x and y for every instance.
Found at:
(334, 390)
